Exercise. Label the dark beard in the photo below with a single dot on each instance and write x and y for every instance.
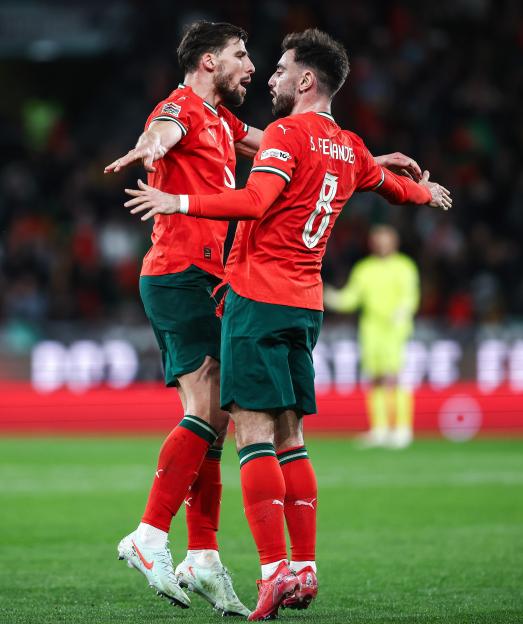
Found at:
(228, 96)
(283, 105)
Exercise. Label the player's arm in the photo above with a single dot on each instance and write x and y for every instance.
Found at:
(346, 299)
(248, 203)
(250, 143)
(273, 168)
(153, 144)
(400, 164)
(371, 176)
(402, 190)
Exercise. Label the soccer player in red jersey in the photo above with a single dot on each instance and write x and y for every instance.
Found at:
(189, 146)
(304, 172)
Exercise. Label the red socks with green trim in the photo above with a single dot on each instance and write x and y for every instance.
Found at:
(301, 494)
(263, 490)
(179, 462)
(202, 504)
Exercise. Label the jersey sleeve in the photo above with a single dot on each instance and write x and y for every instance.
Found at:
(248, 203)
(279, 150)
(394, 188)
(370, 174)
(239, 129)
(175, 109)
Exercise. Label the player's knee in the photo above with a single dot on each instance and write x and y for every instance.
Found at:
(210, 371)
(252, 427)
(288, 431)
(289, 440)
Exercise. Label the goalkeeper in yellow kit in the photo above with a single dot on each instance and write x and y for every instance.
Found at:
(385, 287)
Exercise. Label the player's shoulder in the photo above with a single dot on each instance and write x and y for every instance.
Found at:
(180, 99)
(287, 126)
(223, 111)
(364, 264)
(405, 261)
(355, 139)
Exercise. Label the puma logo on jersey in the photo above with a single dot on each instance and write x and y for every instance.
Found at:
(277, 502)
(305, 503)
(158, 473)
(188, 500)
(283, 128)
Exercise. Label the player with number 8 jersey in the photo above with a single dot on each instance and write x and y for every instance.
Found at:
(277, 258)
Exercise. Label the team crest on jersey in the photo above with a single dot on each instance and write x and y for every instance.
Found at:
(171, 109)
(275, 153)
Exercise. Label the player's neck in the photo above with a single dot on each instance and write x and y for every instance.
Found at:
(312, 103)
(204, 87)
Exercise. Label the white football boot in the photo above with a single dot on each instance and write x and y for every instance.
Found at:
(400, 438)
(157, 567)
(374, 438)
(212, 582)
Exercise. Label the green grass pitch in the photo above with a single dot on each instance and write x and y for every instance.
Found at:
(433, 534)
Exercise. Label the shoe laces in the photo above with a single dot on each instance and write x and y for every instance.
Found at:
(165, 560)
(227, 584)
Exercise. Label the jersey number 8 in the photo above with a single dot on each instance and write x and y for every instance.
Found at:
(327, 194)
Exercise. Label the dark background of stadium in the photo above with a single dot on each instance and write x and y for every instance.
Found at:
(440, 81)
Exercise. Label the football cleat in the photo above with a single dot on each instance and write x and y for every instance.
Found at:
(400, 438)
(273, 591)
(374, 438)
(157, 567)
(306, 593)
(213, 583)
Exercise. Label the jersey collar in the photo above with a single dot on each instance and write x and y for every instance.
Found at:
(326, 115)
(206, 104)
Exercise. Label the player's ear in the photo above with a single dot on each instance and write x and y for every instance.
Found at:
(306, 81)
(209, 61)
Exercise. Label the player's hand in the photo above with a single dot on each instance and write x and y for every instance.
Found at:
(400, 164)
(331, 298)
(148, 149)
(440, 195)
(151, 199)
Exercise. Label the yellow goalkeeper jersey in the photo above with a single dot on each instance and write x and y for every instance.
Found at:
(386, 290)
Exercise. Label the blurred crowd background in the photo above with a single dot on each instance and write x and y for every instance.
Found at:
(440, 81)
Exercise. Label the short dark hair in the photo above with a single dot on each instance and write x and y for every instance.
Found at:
(201, 37)
(321, 53)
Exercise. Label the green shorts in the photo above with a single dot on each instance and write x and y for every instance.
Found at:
(266, 355)
(182, 313)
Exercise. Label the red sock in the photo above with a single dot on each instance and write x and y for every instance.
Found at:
(300, 502)
(203, 500)
(179, 461)
(263, 490)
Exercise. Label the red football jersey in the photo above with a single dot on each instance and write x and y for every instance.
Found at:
(277, 259)
(202, 162)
